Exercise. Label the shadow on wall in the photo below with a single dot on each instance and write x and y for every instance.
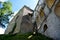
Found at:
(26, 24)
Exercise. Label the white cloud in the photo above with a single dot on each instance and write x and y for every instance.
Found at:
(3, 0)
(2, 30)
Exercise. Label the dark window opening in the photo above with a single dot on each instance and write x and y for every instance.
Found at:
(30, 14)
(45, 27)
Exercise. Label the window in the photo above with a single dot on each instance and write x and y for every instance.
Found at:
(16, 17)
(41, 13)
(30, 14)
(38, 19)
(57, 9)
(45, 27)
(50, 3)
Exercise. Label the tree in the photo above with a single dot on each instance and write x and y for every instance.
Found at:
(5, 11)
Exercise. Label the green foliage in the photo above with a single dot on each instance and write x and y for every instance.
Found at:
(7, 7)
(5, 11)
(24, 37)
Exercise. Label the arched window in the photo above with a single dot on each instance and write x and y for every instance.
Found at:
(50, 3)
(45, 28)
(57, 9)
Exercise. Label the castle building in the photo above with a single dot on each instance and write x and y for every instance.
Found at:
(47, 17)
(19, 22)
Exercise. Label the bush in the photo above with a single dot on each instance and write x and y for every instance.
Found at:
(24, 37)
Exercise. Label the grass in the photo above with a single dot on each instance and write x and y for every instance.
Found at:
(24, 37)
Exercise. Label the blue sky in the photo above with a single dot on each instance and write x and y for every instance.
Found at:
(18, 4)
